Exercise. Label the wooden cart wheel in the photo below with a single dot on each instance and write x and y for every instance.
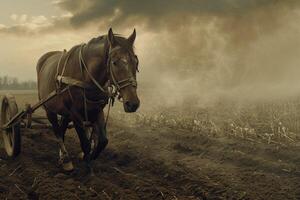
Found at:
(11, 136)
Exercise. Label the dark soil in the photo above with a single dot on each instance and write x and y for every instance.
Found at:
(143, 162)
(147, 163)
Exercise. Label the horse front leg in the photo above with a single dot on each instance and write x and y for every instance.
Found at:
(63, 125)
(93, 143)
(85, 146)
(99, 136)
(59, 132)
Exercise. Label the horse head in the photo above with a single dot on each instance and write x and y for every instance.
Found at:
(123, 67)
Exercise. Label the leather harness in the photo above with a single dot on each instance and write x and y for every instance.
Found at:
(113, 87)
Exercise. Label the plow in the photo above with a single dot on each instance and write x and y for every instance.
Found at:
(14, 121)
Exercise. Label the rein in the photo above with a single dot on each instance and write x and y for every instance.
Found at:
(82, 63)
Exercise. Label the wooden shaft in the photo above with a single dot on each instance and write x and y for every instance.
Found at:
(18, 117)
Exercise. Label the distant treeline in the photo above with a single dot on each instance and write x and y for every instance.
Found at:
(12, 83)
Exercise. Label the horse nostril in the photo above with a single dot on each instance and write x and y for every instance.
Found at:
(131, 106)
(134, 107)
(128, 104)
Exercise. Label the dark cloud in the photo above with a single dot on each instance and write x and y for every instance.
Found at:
(157, 14)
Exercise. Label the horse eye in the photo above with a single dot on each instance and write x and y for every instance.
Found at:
(136, 60)
(124, 61)
(114, 62)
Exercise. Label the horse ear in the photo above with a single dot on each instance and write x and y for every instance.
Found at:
(111, 37)
(132, 37)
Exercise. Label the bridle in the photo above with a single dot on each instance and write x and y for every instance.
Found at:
(130, 81)
(114, 85)
(119, 84)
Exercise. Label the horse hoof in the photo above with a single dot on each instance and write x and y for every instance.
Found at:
(68, 166)
(81, 156)
(91, 173)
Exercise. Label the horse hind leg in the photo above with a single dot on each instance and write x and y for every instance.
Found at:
(59, 132)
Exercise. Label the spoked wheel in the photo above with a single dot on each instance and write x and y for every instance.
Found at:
(11, 136)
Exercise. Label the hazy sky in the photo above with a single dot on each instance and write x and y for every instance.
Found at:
(28, 7)
(19, 52)
(213, 46)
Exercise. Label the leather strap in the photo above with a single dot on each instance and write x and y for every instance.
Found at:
(74, 82)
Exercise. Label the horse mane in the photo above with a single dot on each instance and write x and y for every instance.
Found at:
(120, 39)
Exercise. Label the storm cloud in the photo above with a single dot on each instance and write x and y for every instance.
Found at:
(155, 15)
(159, 14)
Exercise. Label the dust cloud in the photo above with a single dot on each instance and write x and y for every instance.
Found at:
(206, 49)
(244, 56)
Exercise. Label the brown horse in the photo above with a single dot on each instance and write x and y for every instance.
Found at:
(88, 72)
